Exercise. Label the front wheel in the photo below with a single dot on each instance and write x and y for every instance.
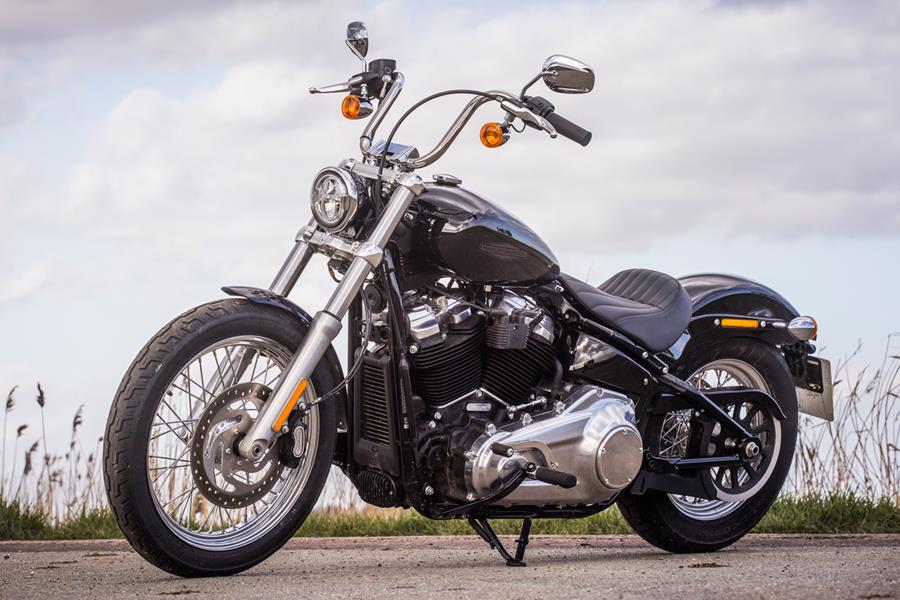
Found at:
(180, 493)
(679, 523)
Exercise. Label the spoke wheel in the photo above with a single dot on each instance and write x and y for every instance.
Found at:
(204, 492)
(735, 484)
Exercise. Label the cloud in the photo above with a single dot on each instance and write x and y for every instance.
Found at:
(773, 120)
(24, 283)
(154, 151)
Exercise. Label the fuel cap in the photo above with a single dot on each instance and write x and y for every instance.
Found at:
(446, 179)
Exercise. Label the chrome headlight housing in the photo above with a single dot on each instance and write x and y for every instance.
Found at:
(335, 199)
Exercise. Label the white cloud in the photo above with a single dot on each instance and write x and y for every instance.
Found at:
(24, 283)
(186, 141)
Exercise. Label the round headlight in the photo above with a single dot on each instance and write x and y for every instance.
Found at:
(334, 199)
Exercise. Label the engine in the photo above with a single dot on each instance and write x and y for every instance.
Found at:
(489, 373)
(502, 350)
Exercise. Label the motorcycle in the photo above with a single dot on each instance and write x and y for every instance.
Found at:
(483, 382)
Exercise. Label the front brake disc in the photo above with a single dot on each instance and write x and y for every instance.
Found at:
(220, 473)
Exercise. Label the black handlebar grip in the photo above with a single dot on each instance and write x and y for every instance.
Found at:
(563, 480)
(568, 129)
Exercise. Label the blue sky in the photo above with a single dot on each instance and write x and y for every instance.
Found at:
(150, 154)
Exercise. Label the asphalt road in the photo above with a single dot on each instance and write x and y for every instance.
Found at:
(760, 566)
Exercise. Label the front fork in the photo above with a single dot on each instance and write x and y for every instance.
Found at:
(328, 322)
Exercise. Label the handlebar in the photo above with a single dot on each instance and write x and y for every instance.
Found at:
(568, 129)
(563, 126)
(534, 111)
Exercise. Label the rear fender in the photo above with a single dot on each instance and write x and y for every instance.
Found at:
(729, 294)
(718, 297)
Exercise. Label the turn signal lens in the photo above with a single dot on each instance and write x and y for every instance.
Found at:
(350, 107)
(494, 135)
(353, 107)
(743, 323)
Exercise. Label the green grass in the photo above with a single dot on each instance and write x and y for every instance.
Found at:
(824, 515)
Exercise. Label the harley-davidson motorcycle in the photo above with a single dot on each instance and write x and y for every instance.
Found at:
(483, 383)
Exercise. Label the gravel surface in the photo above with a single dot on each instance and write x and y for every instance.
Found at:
(760, 566)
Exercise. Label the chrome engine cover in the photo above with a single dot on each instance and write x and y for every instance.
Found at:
(591, 435)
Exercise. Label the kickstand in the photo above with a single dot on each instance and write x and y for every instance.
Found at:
(487, 533)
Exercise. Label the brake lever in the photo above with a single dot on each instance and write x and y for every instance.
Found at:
(336, 88)
(529, 117)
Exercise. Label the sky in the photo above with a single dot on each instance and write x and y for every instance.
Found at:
(151, 153)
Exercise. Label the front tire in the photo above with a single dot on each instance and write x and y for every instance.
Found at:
(198, 533)
(680, 524)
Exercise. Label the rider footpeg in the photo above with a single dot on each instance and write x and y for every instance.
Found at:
(551, 476)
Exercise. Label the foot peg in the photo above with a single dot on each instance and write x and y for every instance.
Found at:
(551, 476)
(563, 480)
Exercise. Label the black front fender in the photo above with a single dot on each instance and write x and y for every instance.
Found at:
(261, 296)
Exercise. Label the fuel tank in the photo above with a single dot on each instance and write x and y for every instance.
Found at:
(459, 233)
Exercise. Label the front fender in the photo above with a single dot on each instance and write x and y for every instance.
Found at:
(261, 296)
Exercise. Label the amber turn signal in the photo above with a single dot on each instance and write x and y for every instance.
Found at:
(352, 107)
(741, 323)
(494, 135)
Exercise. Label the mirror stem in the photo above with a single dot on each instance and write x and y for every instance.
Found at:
(531, 83)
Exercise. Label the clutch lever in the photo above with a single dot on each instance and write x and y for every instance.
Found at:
(528, 117)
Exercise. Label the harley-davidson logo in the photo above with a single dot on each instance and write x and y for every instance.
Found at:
(503, 251)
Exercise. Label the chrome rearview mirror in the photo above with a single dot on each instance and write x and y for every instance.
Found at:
(358, 40)
(567, 75)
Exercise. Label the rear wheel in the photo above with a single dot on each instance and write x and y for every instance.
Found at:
(679, 523)
(182, 496)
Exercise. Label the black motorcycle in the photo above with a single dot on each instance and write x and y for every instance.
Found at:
(483, 383)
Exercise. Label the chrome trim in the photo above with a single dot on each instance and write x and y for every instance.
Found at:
(473, 105)
(567, 75)
(384, 105)
(337, 88)
(352, 193)
(580, 440)
(358, 41)
(294, 264)
(528, 117)
(818, 404)
(447, 179)
(803, 328)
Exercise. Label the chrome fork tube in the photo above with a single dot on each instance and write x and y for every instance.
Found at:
(282, 285)
(292, 268)
(326, 325)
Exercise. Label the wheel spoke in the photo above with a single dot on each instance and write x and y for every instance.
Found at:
(739, 481)
(170, 471)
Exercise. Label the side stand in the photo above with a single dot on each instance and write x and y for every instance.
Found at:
(483, 528)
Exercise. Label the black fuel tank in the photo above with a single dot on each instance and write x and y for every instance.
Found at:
(471, 237)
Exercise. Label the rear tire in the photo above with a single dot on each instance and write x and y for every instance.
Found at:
(655, 515)
(132, 416)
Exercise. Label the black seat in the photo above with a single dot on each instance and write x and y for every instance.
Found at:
(649, 307)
